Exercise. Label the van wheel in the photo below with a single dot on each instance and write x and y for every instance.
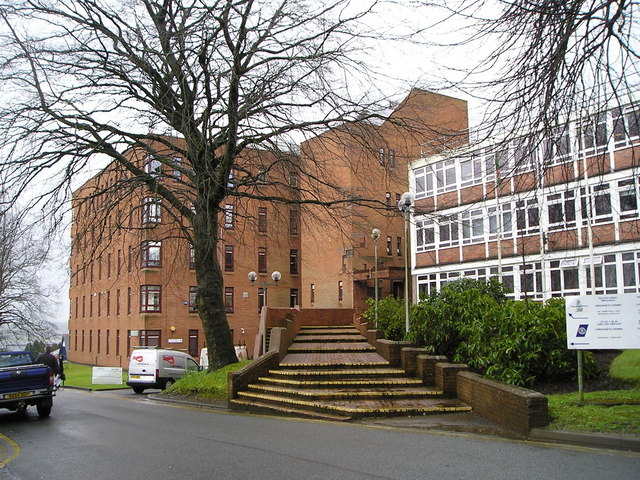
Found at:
(168, 383)
(138, 389)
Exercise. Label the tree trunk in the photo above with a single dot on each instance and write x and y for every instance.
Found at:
(210, 296)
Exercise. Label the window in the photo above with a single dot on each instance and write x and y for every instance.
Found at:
(448, 231)
(192, 258)
(564, 277)
(228, 258)
(562, 210)
(557, 146)
(228, 299)
(523, 153)
(228, 216)
(392, 158)
(381, 156)
(109, 256)
(496, 161)
(389, 240)
(150, 298)
(472, 226)
(108, 303)
(262, 298)
(117, 343)
(151, 210)
(177, 173)
(151, 254)
(593, 134)
(152, 166)
(194, 351)
(527, 216)
(531, 280)
(631, 272)
(293, 222)
(117, 302)
(293, 179)
(470, 170)
(387, 198)
(107, 343)
(399, 246)
(193, 305)
(262, 219)
(313, 293)
(262, 260)
(423, 182)
(128, 300)
(340, 290)
(626, 125)
(293, 262)
(605, 274)
(502, 223)
(596, 204)
(293, 297)
(446, 176)
(425, 235)
(150, 338)
(628, 197)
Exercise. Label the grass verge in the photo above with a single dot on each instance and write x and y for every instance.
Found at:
(615, 411)
(80, 376)
(205, 386)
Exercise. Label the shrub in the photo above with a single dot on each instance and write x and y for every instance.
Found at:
(473, 322)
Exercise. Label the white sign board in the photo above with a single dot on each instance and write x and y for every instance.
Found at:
(106, 376)
(175, 340)
(603, 322)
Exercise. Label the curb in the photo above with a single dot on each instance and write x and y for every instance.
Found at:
(593, 440)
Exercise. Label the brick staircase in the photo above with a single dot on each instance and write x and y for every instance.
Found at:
(334, 373)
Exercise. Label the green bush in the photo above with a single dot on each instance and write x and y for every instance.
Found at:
(473, 322)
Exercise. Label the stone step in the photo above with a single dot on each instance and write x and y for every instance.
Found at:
(275, 409)
(328, 373)
(344, 381)
(347, 393)
(334, 347)
(328, 331)
(362, 408)
(329, 338)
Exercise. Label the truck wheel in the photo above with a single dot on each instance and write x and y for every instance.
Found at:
(138, 389)
(168, 383)
(44, 408)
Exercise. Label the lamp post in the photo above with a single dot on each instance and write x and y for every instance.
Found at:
(375, 234)
(275, 276)
(405, 205)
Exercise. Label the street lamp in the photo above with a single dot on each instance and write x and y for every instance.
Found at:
(375, 234)
(405, 205)
(275, 276)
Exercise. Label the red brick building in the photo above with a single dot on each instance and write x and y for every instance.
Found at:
(133, 281)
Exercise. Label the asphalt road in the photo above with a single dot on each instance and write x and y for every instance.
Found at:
(119, 435)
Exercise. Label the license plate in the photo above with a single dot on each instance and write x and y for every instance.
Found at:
(18, 395)
(135, 377)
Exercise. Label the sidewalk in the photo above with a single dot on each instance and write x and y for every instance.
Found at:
(472, 424)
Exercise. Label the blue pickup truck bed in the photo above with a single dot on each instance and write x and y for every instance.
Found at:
(23, 383)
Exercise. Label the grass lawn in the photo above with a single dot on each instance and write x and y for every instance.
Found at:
(616, 411)
(80, 376)
(205, 386)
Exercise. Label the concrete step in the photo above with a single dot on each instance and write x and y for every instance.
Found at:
(329, 374)
(275, 409)
(361, 408)
(344, 392)
(329, 338)
(344, 381)
(332, 347)
(328, 331)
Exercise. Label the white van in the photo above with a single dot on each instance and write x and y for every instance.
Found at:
(157, 368)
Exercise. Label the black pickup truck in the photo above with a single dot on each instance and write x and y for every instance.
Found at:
(24, 383)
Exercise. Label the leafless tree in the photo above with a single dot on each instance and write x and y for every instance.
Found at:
(87, 78)
(537, 63)
(24, 301)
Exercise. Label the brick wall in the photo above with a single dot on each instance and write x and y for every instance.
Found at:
(515, 408)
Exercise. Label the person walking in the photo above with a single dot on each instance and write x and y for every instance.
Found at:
(47, 358)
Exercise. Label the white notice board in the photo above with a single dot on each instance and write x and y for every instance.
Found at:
(603, 322)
